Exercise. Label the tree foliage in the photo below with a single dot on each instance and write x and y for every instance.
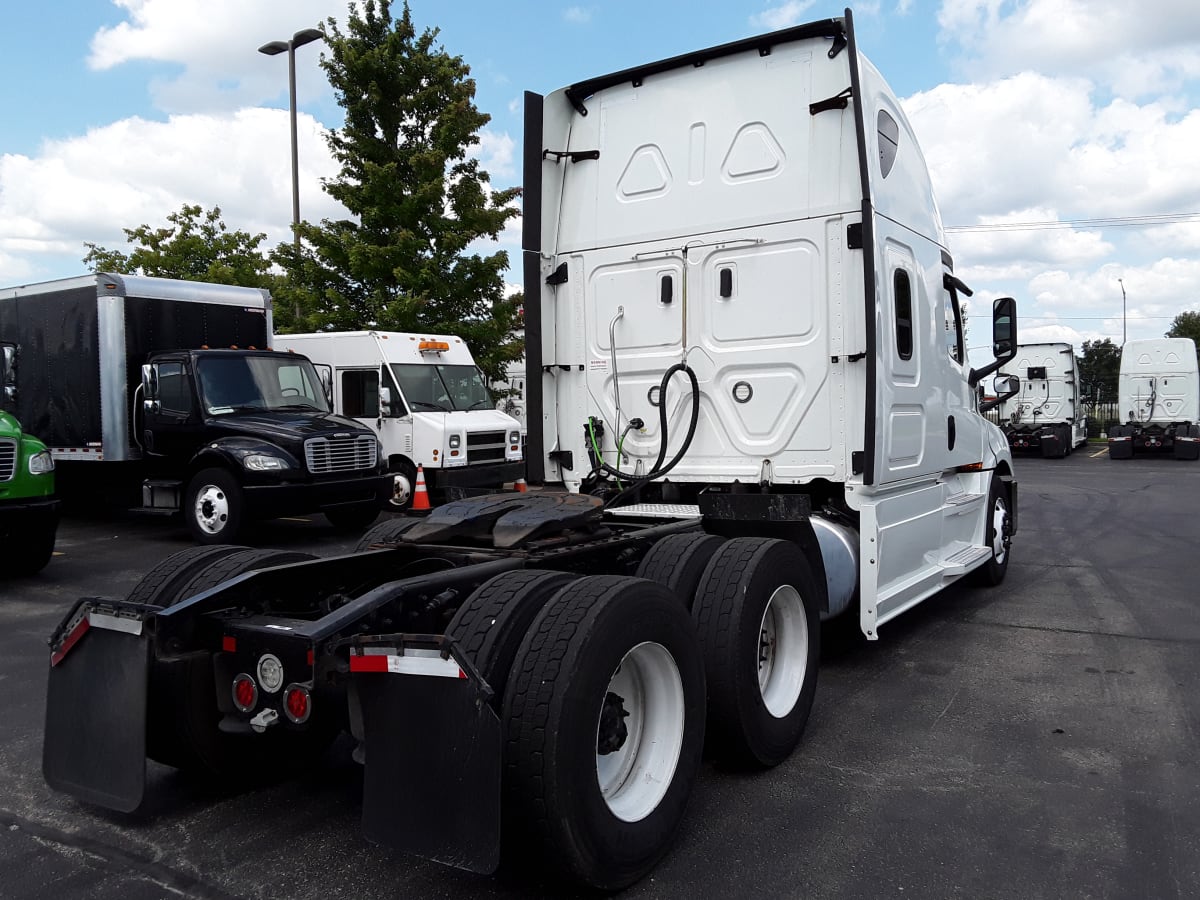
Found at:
(409, 258)
(1099, 369)
(196, 245)
(1186, 325)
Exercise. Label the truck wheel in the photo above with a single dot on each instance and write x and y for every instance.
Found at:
(160, 586)
(213, 507)
(678, 561)
(997, 535)
(491, 624)
(761, 633)
(385, 534)
(604, 727)
(31, 551)
(183, 717)
(404, 481)
(353, 518)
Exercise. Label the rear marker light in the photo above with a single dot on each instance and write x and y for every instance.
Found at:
(229, 644)
(297, 704)
(245, 692)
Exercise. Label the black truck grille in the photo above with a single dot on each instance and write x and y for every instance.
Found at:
(8, 460)
(486, 446)
(341, 454)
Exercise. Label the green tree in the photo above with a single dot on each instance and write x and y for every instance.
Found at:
(197, 246)
(408, 259)
(1186, 325)
(1099, 368)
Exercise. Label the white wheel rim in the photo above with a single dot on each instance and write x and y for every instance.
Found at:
(401, 490)
(212, 509)
(999, 521)
(782, 651)
(635, 777)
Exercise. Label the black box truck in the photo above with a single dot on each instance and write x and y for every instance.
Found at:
(170, 386)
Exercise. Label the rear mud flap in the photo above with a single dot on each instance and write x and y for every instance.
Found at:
(432, 747)
(95, 741)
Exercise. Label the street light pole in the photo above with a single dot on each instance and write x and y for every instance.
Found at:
(299, 39)
(1124, 320)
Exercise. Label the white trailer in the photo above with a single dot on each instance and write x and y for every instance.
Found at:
(1046, 416)
(426, 399)
(1159, 399)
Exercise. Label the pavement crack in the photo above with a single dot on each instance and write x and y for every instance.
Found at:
(118, 858)
(1154, 639)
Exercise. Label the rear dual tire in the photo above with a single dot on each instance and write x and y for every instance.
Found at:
(604, 725)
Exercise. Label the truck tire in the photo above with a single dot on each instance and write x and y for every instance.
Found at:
(608, 682)
(385, 534)
(678, 561)
(182, 719)
(31, 551)
(214, 507)
(756, 612)
(353, 518)
(996, 534)
(490, 626)
(160, 586)
(231, 565)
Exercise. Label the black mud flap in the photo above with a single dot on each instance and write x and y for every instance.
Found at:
(432, 749)
(95, 741)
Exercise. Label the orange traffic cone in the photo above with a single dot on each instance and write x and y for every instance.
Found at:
(420, 494)
(520, 485)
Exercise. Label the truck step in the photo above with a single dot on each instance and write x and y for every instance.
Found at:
(963, 499)
(965, 559)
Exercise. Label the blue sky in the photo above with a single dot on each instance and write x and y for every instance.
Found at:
(1029, 111)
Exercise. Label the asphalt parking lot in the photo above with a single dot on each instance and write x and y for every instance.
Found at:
(1034, 740)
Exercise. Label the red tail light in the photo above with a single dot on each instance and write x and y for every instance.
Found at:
(245, 692)
(297, 703)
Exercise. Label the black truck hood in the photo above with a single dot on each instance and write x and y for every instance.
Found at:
(283, 426)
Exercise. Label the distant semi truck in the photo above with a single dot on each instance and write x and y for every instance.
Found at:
(1159, 400)
(1046, 416)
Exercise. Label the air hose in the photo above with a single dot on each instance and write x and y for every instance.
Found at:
(658, 470)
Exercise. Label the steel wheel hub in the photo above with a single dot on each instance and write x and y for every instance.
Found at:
(782, 651)
(212, 508)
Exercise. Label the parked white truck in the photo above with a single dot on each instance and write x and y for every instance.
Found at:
(426, 399)
(1046, 416)
(738, 296)
(1159, 399)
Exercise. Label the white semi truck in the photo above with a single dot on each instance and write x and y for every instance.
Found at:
(1158, 395)
(1046, 416)
(738, 296)
(426, 399)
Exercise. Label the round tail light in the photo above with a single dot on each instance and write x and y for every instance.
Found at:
(297, 703)
(245, 692)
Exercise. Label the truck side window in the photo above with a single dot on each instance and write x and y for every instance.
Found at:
(904, 315)
(360, 393)
(174, 387)
(954, 335)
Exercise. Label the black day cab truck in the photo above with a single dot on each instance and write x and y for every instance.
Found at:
(747, 417)
(122, 379)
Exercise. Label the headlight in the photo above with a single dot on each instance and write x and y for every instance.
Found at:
(455, 441)
(41, 463)
(514, 437)
(260, 462)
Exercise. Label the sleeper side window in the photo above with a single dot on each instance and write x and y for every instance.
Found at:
(902, 291)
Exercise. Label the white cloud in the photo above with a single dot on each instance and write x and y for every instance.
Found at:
(215, 42)
(1125, 45)
(577, 15)
(495, 152)
(782, 16)
(135, 171)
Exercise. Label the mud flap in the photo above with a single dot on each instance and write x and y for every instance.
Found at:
(432, 748)
(95, 741)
